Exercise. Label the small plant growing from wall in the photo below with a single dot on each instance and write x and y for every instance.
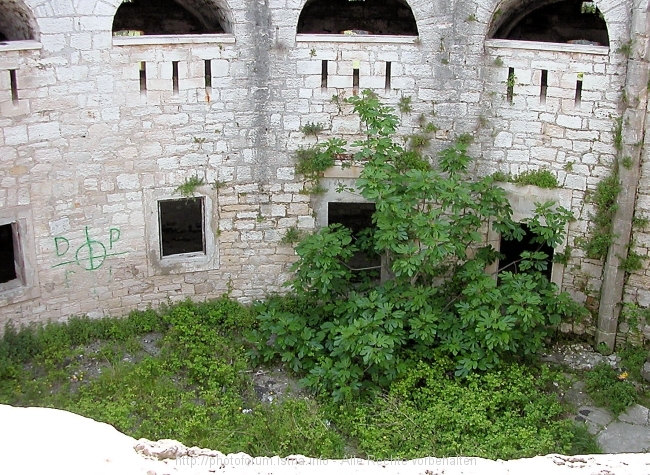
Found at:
(311, 128)
(541, 178)
(313, 161)
(404, 104)
(604, 200)
(625, 49)
(339, 101)
(293, 235)
(189, 186)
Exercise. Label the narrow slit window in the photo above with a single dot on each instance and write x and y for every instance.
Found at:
(181, 226)
(323, 74)
(388, 74)
(208, 74)
(578, 99)
(544, 87)
(143, 77)
(355, 81)
(175, 77)
(510, 91)
(14, 86)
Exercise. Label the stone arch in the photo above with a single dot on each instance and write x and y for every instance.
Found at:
(174, 17)
(554, 21)
(17, 21)
(381, 17)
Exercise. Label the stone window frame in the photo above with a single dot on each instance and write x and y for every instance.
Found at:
(160, 40)
(26, 285)
(522, 200)
(178, 263)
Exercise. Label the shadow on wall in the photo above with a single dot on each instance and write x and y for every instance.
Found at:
(551, 21)
(376, 17)
(168, 17)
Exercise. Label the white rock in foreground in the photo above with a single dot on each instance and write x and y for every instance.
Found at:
(49, 441)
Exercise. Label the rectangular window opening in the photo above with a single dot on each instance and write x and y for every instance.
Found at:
(510, 92)
(511, 251)
(14, 86)
(323, 74)
(355, 81)
(543, 87)
(208, 74)
(143, 77)
(7, 253)
(181, 226)
(388, 73)
(578, 99)
(358, 218)
(175, 77)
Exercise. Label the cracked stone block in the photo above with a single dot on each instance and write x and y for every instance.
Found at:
(621, 437)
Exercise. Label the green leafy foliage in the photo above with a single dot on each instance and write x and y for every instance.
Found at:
(189, 186)
(503, 414)
(313, 161)
(195, 390)
(350, 339)
(605, 386)
(542, 178)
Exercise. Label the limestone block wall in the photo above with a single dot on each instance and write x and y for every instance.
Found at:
(99, 129)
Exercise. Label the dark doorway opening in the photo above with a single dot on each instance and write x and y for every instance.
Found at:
(181, 226)
(511, 249)
(564, 21)
(161, 17)
(7, 254)
(375, 17)
(358, 218)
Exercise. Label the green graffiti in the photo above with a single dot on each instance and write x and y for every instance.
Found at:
(62, 245)
(90, 255)
(113, 236)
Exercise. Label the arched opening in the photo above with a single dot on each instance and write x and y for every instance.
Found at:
(16, 21)
(172, 17)
(551, 21)
(376, 17)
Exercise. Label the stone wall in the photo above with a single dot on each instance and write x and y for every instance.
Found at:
(97, 129)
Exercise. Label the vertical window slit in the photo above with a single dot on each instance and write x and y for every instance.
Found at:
(208, 74)
(14, 86)
(388, 73)
(578, 100)
(510, 93)
(323, 74)
(175, 77)
(543, 88)
(355, 81)
(143, 77)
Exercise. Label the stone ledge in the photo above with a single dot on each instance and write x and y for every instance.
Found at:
(172, 39)
(544, 46)
(326, 38)
(20, 45)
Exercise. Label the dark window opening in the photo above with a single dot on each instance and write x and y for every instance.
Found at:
(355, 81)
(168, 17)
(544, 87)
(510, 83)
(17, 22)
(512, 249)
(175, 77)
(143, 77)
(181, 226)
(14, 85)
(7, 254)
(358, 218)
(369, 17)
(208, 74)
(323, 75)
(552, 21)
(388, 74)
(578, 98)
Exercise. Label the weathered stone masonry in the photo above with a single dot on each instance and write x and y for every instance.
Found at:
(98, 129)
